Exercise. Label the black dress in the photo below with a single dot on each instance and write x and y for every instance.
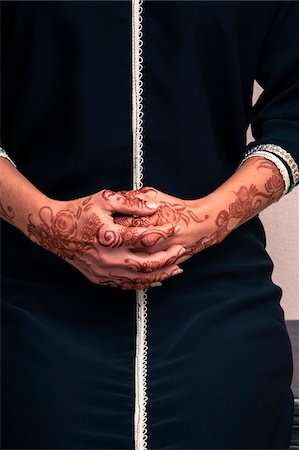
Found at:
(214, 368)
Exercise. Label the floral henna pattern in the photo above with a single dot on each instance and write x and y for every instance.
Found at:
(246, 205)
(176, 212)
(130, 237)
(136, 221)
(275, 183)
(149, 266)
(7, 212)
(144, 222)
(63, 233)
(91, 228)
(166, 213)
(68, 233)
(128, 198)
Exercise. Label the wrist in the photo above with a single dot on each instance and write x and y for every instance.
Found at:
(252, 188)
(19, 197)
(32, 206)
(209, 210)
(217, 211)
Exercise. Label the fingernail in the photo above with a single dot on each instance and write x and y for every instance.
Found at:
(182, 251)
(156, 284)
(177, 228)
(177, 272)
(152, 205)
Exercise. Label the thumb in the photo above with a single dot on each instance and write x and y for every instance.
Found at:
(128, 202)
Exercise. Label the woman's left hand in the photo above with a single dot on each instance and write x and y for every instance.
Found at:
(200, 226)
(208, 220)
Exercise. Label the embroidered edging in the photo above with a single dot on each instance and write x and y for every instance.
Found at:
(140, 413)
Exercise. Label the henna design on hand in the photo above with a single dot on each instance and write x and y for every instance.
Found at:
(63, 233)
(141, 222)
(128, 237)
(69, 233)
(173, 213)
(128, 198)
(249, 201)
(166, 213)
(150, 266)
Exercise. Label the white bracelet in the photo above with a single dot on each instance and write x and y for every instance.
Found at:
(283, 154)
(3, 154)
(279, 164)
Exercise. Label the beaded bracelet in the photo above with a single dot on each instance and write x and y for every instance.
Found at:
(3, 154)
(279, 164)
(284, 155)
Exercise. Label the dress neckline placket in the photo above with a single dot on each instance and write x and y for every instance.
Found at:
(140, 407)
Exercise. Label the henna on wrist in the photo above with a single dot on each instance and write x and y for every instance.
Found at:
(6, 212)
(249, 202)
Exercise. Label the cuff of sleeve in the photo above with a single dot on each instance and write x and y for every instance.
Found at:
(283, 160)
(3, 154)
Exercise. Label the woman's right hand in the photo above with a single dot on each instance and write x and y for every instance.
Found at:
(83, 233)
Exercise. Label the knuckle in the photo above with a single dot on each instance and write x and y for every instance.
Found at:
(129, 286)
(101, 195)
(171, 260)
(143, 266)
(123, 221)
(152, 278)
(107, 196)
(164, 276)
(92, 279)
(148, 188)
(103, 259)
(132, 267)
(108, 260)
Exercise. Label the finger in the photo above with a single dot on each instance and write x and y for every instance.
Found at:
(183, 258)
(147, 263)
(115, 236)
(127, 202)
(146, 221)
(125, 279)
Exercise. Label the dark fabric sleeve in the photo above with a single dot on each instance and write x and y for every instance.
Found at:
(275, 115)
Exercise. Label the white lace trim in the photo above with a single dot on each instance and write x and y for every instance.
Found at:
(140, 412)
(287, 157)
(137, 113)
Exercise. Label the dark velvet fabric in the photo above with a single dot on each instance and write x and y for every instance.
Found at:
(219, 355)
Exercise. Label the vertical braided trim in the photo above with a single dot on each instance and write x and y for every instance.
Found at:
(140, 413)
(137, 113)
